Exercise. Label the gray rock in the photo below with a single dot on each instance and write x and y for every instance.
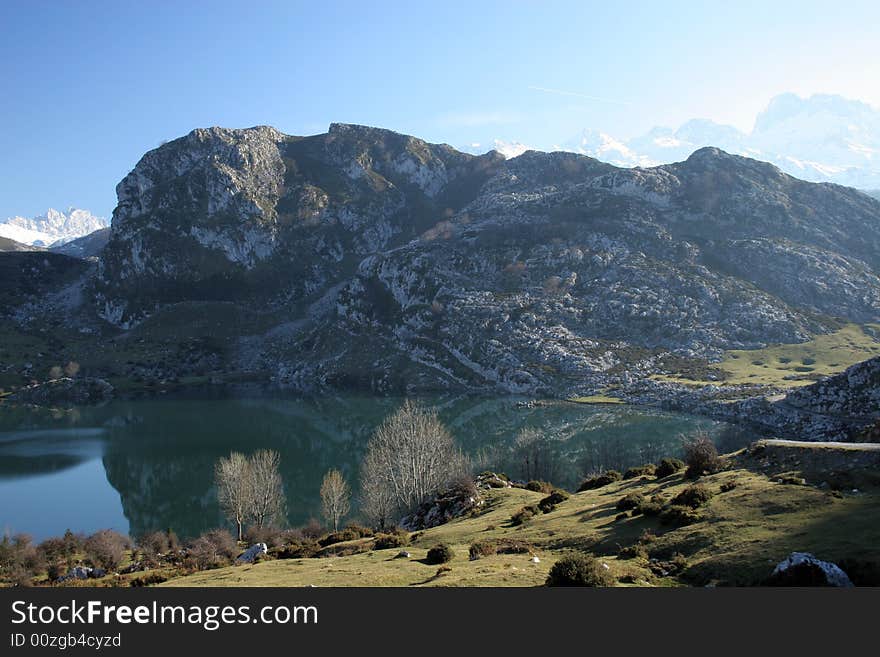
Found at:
(250, 555)
(834, 576)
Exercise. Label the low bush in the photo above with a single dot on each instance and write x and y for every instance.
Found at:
(339, 537)
(106, 549)
(302, 549)
(393, 539)
(680, 515)
(579, 570)
(603, 479)
(524, 515)
(539, 486)
(489, 547)
(728, 486)
(438, 554)
(360, 530)
(549, 503)
(630, 501)
(148, 580)
(668, 466)
(154, 545)
(212, 549)
(633, 552)
(701, 455)
(646, 470)
(650, 508)
(273, 537)
(693, 496)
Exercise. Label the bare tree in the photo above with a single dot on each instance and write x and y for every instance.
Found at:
(376, 498)
(335, 497)
(232, 477)
(409, 458)
(266, 488)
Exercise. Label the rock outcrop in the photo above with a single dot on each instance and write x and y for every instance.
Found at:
(843, 407)
(363, 258)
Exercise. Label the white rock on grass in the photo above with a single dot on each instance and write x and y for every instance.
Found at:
(250, 555)
(833, 574)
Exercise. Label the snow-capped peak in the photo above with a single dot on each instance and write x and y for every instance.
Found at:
(53, 228)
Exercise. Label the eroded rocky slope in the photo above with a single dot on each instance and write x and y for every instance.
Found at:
(375, 260)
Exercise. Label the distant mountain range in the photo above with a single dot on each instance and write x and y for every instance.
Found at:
(823, 138)
(53, 228)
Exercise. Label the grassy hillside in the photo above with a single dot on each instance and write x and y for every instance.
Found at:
(788, 365)
(756, 516)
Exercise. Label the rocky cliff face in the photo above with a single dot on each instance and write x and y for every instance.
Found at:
(395, 263)
(842, 407)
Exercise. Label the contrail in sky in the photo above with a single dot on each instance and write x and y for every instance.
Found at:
(562, 92)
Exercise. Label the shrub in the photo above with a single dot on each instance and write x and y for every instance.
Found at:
(489, 547)
(273, 537)
(700, 455)
(524, 514)
(640, 471)
(630, 501)
(650, 508)
(539, 486)
(394, 539)
(148, 580)
(106, 548)
(668, 466)
(680, 515)
(728, 486)
(603, 479)
(438, 554)
(549, 503)
(339, 537)
(579, 570)
(693, 496)
(212, 549)
(302, 549)
(155, 544)
(632, 552)
(360, 530)
(313, 529)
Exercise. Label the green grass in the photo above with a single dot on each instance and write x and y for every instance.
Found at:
(743, 533)
(788, 365)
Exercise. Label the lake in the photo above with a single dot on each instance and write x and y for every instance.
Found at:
(141, 465)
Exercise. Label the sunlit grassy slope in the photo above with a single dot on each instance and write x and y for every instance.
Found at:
(788, 365)
(743, 533)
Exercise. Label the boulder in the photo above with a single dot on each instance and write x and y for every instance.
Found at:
(250, 555)
(804, 569)
(77, 572)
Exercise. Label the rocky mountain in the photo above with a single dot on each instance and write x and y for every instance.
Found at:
(841, 407)
(52, 229)
(377, 260)
(823, 138)
(9, 245)
(88, 246)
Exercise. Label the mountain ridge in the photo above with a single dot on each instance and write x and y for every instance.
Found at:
(55, 228)
(365, 258)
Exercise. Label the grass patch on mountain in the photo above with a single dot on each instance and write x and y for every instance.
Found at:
(789, 365)
(733, 538)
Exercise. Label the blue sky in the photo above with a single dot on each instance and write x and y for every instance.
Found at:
(88, 87)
